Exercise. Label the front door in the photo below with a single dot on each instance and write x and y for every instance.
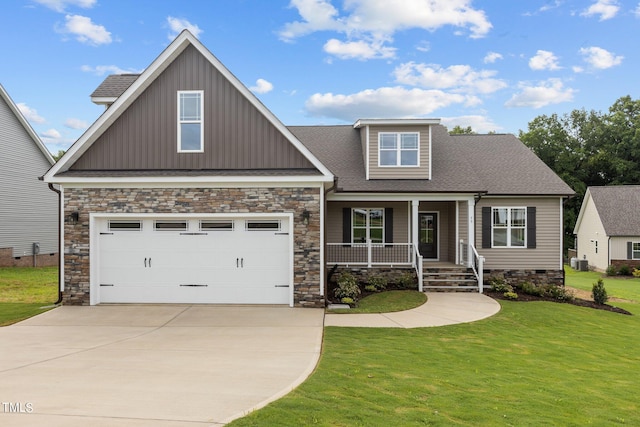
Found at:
(428, 244)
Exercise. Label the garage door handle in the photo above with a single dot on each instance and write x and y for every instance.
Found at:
(149, 262)
(145, 263)
(241, 262)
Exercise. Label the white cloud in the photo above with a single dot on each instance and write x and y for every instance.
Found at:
(376, 21)
(423, 46)
(382, 102)
(606, 9)
(51, 134)
(550, 91)
(600, 58)
(101, 70)
(176, 25)
(359, 49)
(61, 5)
(479, 124)
(85, 30)
(492, 57)
(544, 60)
(460, 78)
(72, 123)
(637, 11)
(261, 86)
(30, 114)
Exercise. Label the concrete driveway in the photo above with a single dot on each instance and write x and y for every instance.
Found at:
(162, 365)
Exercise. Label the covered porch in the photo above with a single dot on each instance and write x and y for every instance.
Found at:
(432, 234)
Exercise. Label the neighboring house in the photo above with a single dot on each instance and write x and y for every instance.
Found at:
(28, 209)
(189, 190)
(608, 227)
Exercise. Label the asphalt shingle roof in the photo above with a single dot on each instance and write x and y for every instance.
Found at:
(618, 207)
(114, 85)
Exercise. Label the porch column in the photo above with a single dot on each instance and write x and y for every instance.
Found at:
(414, 221)
(472, 231)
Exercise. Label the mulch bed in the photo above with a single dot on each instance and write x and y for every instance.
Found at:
(576, 301)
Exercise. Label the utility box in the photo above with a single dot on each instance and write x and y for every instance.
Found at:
(36, 248)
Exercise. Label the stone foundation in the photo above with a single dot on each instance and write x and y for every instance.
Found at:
(188, 201)
(362, 274)
(41, 260)
(536, 277)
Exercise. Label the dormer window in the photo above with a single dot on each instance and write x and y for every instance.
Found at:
(190, 124)
(398, 149)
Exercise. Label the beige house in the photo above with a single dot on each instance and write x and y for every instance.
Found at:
(189, 190)
(608, 227)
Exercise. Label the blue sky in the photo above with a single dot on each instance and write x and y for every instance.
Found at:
(492, 65)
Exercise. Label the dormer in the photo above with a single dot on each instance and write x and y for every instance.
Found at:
(396, 148)
(111, 88)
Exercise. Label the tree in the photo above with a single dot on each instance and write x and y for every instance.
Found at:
(587, 149)
(459, 130)
(57, 157)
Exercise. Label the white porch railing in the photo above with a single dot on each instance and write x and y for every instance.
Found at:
(370, 254)
(469, 256)
(417, 264)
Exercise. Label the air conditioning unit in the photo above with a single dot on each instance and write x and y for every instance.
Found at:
(583, 265)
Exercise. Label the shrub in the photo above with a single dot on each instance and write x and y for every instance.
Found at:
(510, 295)
(347, 300)
(370, 288)
(559, 293)
(498, 284)
(378, 282)
(531, 289)
(611, 270)
(407, 281)
(624, 270)
(636, 272)
(599, 293)
(347, 286)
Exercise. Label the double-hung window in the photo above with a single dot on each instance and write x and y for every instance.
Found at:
(635, 250)
(509, 227)
(367, 223)
(190, 123)
(398, 148)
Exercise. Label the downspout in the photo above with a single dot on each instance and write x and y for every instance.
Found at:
(52, 188)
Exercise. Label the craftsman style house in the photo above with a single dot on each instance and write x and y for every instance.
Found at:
(189, 190)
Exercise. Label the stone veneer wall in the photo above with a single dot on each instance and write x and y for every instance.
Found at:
(194, 200)
(536, 277)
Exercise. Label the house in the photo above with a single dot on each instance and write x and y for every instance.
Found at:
(608, 227)
(28, 209)
(189, 190)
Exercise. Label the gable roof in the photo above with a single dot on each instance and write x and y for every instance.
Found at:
(140, 84)
(493, 164)
(25, 124)
(617, 207)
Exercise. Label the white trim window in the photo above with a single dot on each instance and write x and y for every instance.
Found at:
(190, 123)
(367, 223)
(398, 149)
(635, 250)
(509, 227)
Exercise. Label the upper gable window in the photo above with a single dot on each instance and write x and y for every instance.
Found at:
(398, 148)
(190, 125)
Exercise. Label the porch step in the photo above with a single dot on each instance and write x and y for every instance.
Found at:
(449, 278)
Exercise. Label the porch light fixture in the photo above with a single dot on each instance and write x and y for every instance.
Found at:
(305, 217)
(74, 217)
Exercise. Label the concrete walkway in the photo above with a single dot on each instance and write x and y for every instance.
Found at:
(160, 365)
(441, 308)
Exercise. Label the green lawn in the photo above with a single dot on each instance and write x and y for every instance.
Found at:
(621, 287)
(387, 302)
(532, 364)
(25, 290)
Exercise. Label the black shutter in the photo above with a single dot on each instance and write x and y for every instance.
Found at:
(346, 225)
(531, 227)
(629, 250)
(388, 225)
(486, 226)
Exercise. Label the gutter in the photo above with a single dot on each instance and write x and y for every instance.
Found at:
(52, 188)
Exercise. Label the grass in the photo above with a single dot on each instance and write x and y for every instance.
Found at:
(25, 290)
(533, 363)
(386, 302)
(621, 287)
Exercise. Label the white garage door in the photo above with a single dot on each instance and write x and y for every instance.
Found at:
(202, 260)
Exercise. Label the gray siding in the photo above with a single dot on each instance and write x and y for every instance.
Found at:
(28, 209)
(547, 253)
(377, 172)
(236, 134)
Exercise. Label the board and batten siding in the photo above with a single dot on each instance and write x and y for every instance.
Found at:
(405, 172)
(547, 253)
(592, 231)
(28, 209)
(400, 219)
(236, 134)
